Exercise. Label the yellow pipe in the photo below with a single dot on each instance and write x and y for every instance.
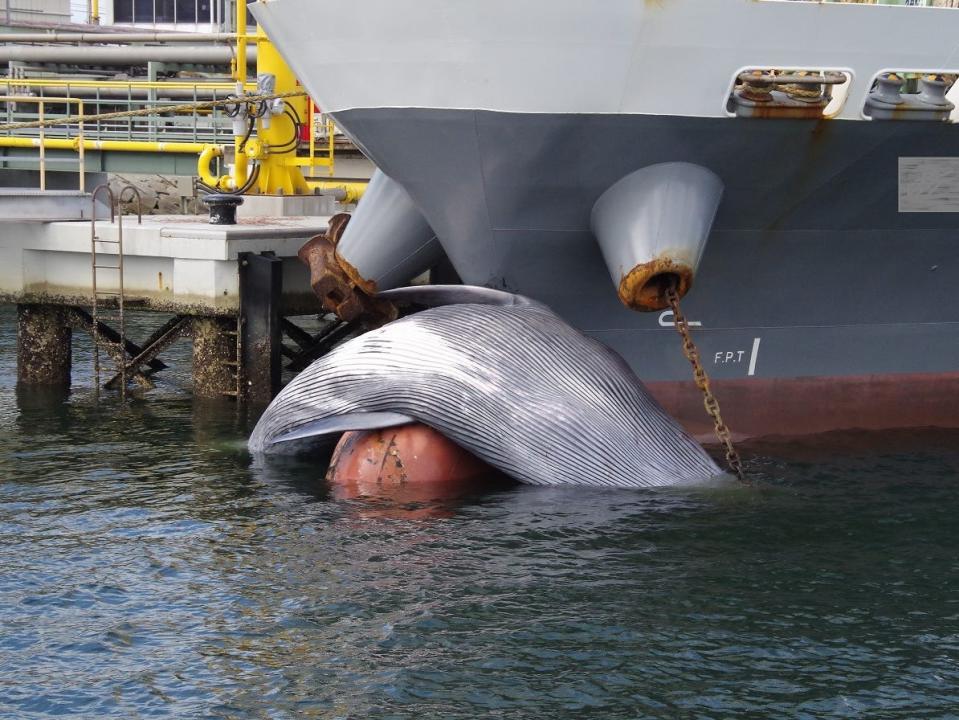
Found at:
(94, 12)
(240, 168)
(240, 67)
(279, 171)
(310, 162)
(144, 146)
(108, 145)
(203, 168)
(353, 191)
(330, 143)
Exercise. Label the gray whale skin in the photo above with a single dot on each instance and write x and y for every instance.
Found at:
(502, 376)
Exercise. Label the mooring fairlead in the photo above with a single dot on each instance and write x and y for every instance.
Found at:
(652, 226)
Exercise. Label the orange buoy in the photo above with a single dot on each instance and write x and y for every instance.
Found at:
(407, 463)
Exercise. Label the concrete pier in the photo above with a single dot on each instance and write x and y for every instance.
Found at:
(177, 264)
(217, 280)
(44, 345)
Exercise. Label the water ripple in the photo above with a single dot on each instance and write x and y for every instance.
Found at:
(148, 568)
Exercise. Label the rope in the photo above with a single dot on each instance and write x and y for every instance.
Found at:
(702, 382)
(71, 119)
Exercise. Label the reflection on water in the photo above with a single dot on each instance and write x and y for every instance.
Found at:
(149, 568)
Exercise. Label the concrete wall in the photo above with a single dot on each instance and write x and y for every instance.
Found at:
(34, 11)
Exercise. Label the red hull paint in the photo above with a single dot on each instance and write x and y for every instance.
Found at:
(791, 407)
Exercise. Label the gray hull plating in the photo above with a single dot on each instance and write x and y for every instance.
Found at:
(810, 269)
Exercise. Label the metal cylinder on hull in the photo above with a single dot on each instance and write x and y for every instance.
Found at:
(388, 241)
(652, 226)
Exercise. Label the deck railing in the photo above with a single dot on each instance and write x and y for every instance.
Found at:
(199, 126)
(41, 114)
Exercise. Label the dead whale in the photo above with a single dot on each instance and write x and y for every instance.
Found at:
(503, 377)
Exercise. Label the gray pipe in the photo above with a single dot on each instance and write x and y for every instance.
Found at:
(115, 93)
(121, 37)
(120, 55)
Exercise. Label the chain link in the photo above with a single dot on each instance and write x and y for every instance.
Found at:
(702, 382)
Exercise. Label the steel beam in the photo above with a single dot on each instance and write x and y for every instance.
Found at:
(261, 284)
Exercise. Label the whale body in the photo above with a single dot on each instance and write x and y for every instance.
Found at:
(503, 377)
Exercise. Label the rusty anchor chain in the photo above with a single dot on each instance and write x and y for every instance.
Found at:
(702, 382)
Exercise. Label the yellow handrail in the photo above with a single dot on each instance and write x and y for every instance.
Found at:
(41, 102)
(190, 148)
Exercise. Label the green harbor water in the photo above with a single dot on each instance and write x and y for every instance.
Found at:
(150, 568)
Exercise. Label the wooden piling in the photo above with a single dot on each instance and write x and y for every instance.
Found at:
(44, 346)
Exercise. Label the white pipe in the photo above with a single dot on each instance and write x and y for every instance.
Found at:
(120, 37)
(122, 55)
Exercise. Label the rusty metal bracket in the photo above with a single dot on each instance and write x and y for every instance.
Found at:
(168, 333)
(337, 285)
(105, 337)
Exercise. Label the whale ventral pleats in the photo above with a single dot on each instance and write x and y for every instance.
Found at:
(511, 383)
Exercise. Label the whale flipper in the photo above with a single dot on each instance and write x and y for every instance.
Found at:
(344, 423)
(436, 295)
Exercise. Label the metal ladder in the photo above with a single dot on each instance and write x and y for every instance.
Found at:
(106, 300)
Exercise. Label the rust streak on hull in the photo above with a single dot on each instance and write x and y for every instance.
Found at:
(757, 408)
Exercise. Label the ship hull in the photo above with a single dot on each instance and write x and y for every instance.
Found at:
(821, 305)
(815, 295)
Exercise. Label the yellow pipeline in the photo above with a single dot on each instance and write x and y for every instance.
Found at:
(240, 67)
(109, 145)
(352, 191)
(94, 12)
(274, 146)
(241, 166)
(279, 171)
(204, 171)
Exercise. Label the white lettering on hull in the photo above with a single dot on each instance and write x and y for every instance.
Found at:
(753, 357)
(666, 320)
(736, 357)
